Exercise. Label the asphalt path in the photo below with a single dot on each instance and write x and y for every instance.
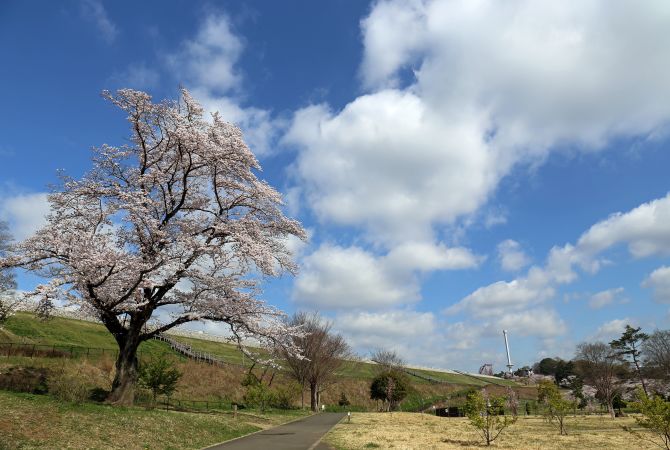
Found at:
(303, 434)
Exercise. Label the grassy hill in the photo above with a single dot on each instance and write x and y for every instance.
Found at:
(26, 328)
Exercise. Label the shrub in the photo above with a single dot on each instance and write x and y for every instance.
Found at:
(343, 401)
(557, 406)
(68, 386)
(25, 379)
(484, 413)
(282, 396)
(655, 417)
(159, 376)
(259, 396)
(390, 387)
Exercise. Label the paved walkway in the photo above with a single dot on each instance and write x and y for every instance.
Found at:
(303, 434)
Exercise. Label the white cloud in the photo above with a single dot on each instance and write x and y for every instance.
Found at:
(511, 256)
(336, 278)
(424, 256)
(504, 296)
(414, 335)
(207, 65)
(459, 93)
(94, 11)
(540, 322)
(659, 282)
(640, 229)
(208, 60)
(389, 163)
(137, 76)
(611, 330)
(25, 213)
(644, 229)
(604, 298)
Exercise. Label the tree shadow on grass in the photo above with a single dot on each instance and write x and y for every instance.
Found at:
(464, 443)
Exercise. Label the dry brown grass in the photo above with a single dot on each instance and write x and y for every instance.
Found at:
(422, 431)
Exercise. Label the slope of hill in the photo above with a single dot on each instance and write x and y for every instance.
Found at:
(26, 328)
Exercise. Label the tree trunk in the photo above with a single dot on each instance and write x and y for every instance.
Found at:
(123, 387)
(639, 374)
(314, 396)
(610, 408)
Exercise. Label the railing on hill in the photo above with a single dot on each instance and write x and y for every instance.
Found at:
(8, 349)
(424, 377)
(187, 351)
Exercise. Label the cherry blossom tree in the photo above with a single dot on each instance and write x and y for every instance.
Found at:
(174, 224)
(8, 301)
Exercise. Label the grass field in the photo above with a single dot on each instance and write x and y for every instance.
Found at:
(423, 431)
(37, 421)
(24, 327)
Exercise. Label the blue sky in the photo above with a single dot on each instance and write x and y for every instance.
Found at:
(462, 167)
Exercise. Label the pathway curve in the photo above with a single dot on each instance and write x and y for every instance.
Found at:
(303, 434)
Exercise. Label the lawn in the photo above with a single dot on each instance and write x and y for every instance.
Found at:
(38, 421)
(423, 431)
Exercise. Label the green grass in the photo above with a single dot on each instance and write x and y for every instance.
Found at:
(24, 327)
(24, 416)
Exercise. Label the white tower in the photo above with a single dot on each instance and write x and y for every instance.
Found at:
(509, 360)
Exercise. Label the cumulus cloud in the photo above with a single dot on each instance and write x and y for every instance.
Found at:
(207, 65)
(458, 94)
(25, 213)
(639, 229)
(487, 86)
(644, 229)
(511, 256)
(540, 322)
(659, 282)
(335, 278)
(604, 298)
(208, 60)
(611, 330)
(94, 11)
(411, 333)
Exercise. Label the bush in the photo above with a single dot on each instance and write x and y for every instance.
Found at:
(282, 396)
(160, 377)
(259, 396)
(655, 418)
(25, 379)
(390, 387)
(344, 401)
(484, 413)
(68, 386)
(75, 383)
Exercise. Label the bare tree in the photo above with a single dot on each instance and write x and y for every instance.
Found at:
(597, 365)
(175, 220)
(387, 360)
(7, 279)
(322, 352)
(656, 352)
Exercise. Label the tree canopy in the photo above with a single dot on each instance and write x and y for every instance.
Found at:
(174, 221)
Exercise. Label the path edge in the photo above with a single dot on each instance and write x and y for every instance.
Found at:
(259, 431)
